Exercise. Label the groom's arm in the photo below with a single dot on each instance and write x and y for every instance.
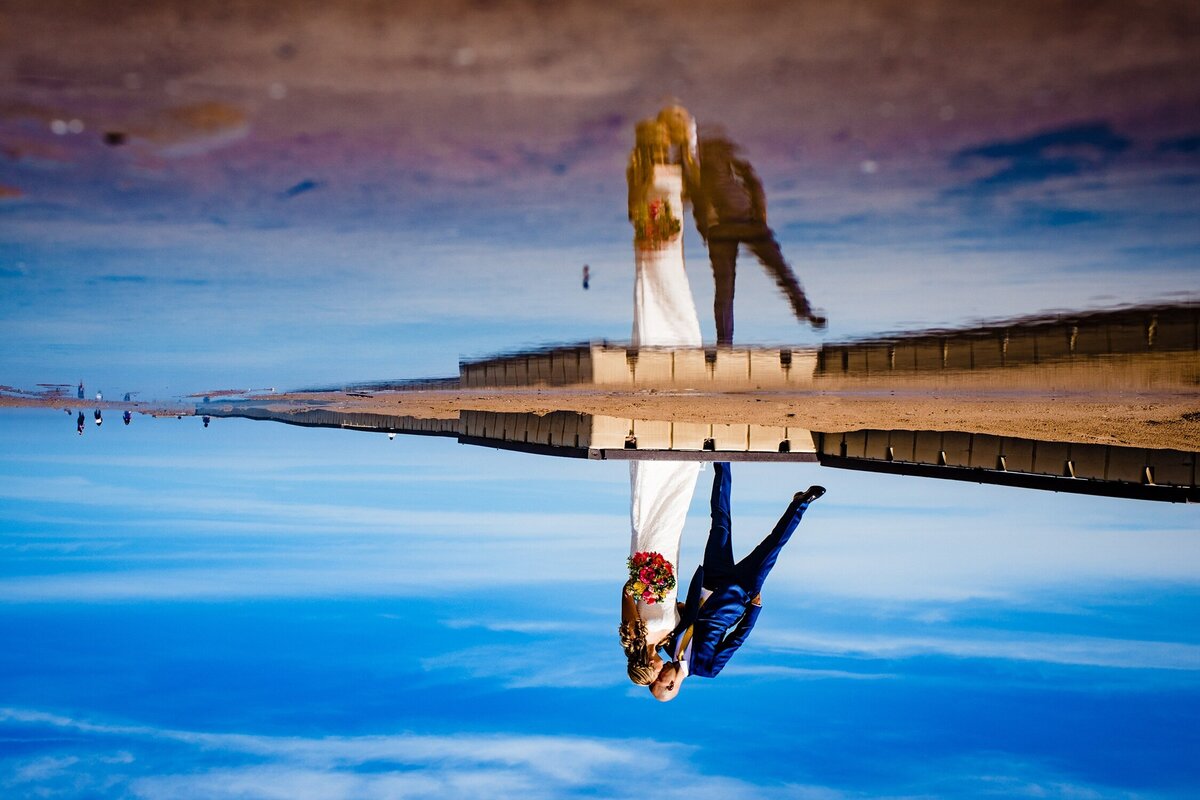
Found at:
(733, 641)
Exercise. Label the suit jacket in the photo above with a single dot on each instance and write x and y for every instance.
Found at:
(719, 626)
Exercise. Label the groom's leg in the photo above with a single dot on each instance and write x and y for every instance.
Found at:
(718, 552)
(766, 248)
(723, 255)
(752, 570)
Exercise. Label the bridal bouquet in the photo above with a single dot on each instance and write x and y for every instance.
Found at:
(654, 225)
(650, 577)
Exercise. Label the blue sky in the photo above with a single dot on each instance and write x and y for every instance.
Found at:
(259, 610)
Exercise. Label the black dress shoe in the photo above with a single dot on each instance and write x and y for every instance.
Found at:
(810, 494)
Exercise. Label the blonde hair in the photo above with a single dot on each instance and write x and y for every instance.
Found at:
(637, 654)
(652, 146)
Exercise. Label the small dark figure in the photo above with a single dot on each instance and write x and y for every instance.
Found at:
(80, 421)
(206, 420)
(80, 392)
(587, 274)
(127, 417)
(99, 418)
(127, 397)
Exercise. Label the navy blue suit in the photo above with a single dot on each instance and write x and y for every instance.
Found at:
(725, 619)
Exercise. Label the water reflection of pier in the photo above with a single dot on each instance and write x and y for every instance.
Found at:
(1164, 339)
(1063, 338)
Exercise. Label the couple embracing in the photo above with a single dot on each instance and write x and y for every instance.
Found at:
(671, 165)
(723, 602)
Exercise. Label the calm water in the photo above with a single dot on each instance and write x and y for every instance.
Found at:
(198, 197)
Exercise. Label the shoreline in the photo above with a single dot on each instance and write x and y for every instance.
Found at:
(1151, 419)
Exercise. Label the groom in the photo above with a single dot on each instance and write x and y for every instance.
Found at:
(724, 598)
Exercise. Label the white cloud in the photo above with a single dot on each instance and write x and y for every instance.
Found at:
(246, 766)
(42, 768)
(805, 674)
(537, 664)
(399, 766)
(1054, 649)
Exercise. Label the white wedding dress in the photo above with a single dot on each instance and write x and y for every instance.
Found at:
(664, 314)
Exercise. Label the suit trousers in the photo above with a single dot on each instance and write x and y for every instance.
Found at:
(719, 567)
(723, 243)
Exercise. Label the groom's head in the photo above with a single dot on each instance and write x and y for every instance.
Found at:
(666, 685)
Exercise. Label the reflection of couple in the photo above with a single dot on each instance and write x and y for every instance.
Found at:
(723, 594)
(669, 164)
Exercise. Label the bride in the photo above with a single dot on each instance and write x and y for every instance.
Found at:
(664, 315)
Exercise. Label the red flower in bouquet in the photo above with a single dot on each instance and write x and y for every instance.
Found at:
(654, 225)
(651, 577)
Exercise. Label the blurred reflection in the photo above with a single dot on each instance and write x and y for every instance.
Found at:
(664, 313)
(731, 210)
(1154, 347)
(671, 165)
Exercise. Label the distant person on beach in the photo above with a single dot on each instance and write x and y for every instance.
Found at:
(206, 421)
(99, 418)
(127, 417)
(80, 392)
(80, 421)
(587, 274)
